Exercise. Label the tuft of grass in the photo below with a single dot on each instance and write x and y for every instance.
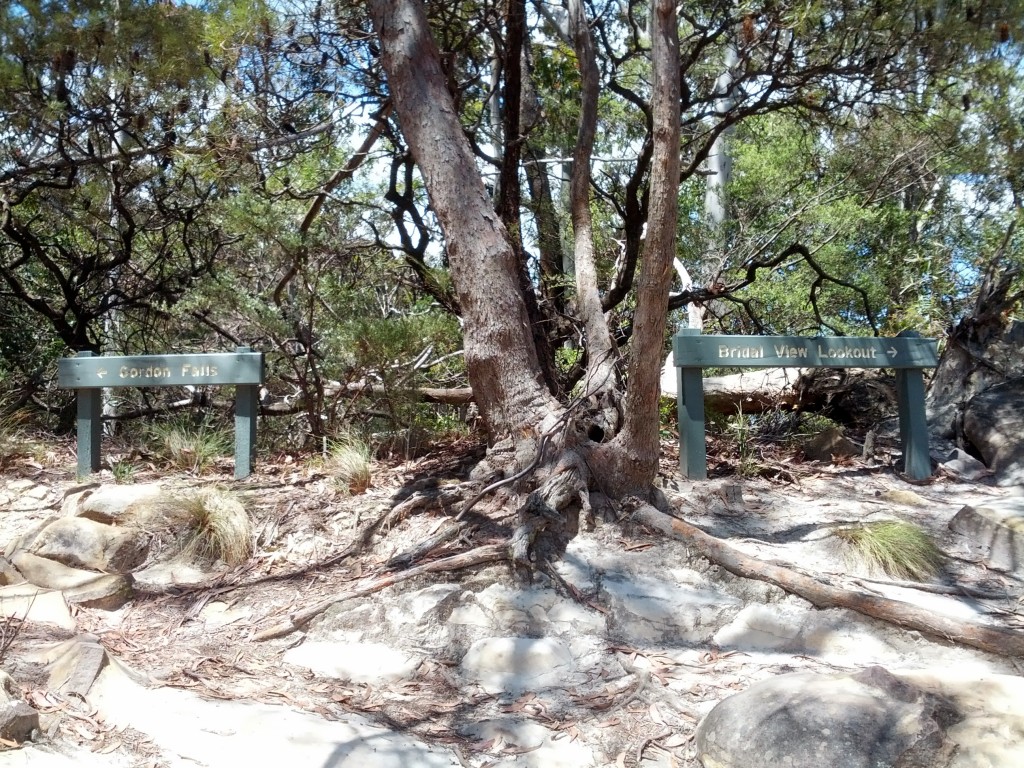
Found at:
(742, 427)
(901, 549)
(123, 471)
(188, 446)
(209, 525)
(350, 461)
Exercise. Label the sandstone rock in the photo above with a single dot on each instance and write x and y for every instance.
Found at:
(532, 745)
(830, 445)
(73, 665)
(18, 543)
(112, 503)
(994, 423)
(173, 572)
(904, 496)
(961, 464)
(217, 614)
(355, 662)
(997, 528)
(537, 612)
(9, 574)
(501, 664)
(224, 733)
(991, 735)
(49, 574)
(658, 609)
(30, 603)
(81, 542)
(17, 718)
(107, 592)
(871, 719)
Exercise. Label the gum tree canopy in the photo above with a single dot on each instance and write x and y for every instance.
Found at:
(671, 81)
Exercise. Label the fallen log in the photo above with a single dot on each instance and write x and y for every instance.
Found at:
(490, 553)
(854, 396)
(997, 640)
(751, 391)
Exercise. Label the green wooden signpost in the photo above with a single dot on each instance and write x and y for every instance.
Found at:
(907, 353)
(89, 375)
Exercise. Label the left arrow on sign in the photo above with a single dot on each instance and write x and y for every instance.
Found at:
(101, 373)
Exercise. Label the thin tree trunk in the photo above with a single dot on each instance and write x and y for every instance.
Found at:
(601, 352)
(634, 452)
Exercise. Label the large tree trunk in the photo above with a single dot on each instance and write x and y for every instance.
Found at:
(501, 358)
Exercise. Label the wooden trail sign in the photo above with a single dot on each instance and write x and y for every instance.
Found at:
(908, 354)
(88, 375)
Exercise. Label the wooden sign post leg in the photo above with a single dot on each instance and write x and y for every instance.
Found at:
(90, 428)
(247, 406)
(913, 423)
(693, 454)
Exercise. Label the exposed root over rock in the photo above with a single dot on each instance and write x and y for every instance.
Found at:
(489, 553)
(823, 594)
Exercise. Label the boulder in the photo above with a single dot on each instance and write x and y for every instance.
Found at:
(996, 528)
(118, 504)
(994, 423)
(961, 464)
(83, 543)
(830, 445)
(107, 592)
(871, 719)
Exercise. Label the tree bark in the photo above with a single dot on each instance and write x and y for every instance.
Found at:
(501, 359)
